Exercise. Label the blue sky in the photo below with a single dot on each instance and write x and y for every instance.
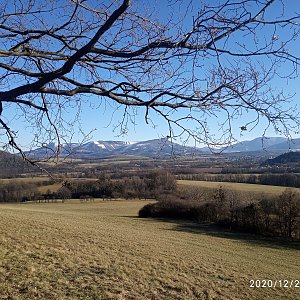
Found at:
(102, 120)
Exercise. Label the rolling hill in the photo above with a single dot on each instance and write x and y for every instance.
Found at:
(286, 158)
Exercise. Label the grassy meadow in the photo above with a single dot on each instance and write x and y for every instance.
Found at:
(240, 187)
(101, 250)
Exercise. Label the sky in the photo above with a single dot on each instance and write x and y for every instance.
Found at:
(101, 122)
(104, 122)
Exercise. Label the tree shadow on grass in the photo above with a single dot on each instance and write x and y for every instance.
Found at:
(217, 231)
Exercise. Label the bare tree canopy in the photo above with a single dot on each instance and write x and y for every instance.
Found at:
(193, 60)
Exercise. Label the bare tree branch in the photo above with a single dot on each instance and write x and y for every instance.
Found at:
(203, 61)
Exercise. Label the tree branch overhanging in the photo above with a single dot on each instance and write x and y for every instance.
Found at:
(218, 59)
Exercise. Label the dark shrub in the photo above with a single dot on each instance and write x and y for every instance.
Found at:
(205, 213)
(167, 209)
(149, 210)
(262, 214)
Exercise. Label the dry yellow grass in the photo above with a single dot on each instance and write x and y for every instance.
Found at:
(52, 188)
(35, 179)
(241, 187)
(101, 250)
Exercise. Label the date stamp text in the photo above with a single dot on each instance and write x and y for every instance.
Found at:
(270, 283)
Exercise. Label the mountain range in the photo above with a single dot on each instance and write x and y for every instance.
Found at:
(161, 148)
(99, 149)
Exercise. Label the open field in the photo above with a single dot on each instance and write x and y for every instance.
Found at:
(35, 179)
(241, 187)
(101, 250)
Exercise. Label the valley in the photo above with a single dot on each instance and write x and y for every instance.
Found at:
(87, 231)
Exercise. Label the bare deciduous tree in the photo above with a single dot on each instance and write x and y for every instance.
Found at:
(195, 61)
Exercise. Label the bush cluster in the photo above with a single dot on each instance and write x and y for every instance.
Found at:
(265, 215)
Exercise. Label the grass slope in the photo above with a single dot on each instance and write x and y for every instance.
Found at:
(240, 187)
(102, 251)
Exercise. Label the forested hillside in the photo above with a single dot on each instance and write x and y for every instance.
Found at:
(12, 165)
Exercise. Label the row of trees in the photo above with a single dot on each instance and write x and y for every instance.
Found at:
(266, 215)
(146, 186)
(19, 191)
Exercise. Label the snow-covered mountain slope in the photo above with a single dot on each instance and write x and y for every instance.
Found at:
(98, 149)
(159, 148)
(258, 144)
